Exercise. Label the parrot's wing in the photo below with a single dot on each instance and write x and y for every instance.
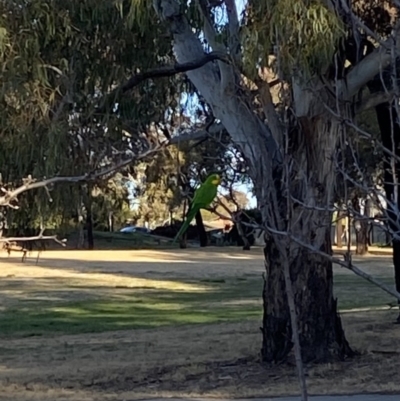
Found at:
(204, 195)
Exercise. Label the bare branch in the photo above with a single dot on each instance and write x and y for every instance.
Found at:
(220, 215)
(10, 241)
(370, 66)
(348, 264)
(241, 121)
(264, 89)
(233, 20)
(171, 70)
(34, 238)
(375, 100)
(227, 75)
(162, 72)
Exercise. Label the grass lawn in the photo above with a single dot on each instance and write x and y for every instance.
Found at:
(222, 300)
(126, 308)
(135, 324)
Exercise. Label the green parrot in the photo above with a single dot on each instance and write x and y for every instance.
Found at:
(202, 199)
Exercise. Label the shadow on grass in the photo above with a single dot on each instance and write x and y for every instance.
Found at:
(134, 308)
(138, 241)
(224, 301)
(46, 305)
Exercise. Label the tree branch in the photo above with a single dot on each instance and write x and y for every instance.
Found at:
(374, 100)
(227, 74)
(370, 66)
(161, 72)
(245, 127)
(171, 70)
(208, 28)
(54, 238)
(233, 20)
(30, 183)
(264, 89)
(346, 263)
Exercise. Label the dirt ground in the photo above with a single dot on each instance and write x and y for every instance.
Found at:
(218, 360)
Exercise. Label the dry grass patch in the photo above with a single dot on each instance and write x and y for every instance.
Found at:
(219, 360)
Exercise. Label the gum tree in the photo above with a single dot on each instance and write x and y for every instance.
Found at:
(290, 144)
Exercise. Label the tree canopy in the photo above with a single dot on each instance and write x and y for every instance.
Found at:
(62, 109)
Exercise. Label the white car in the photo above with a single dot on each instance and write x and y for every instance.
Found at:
(133, 229)
(129, 229)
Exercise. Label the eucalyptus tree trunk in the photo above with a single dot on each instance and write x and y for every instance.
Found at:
(89, 226)
(320, 330)
(339, 230)
(321, 334)
(201, 230)
(361, 238)
(89, 218)
(80, 226)
(303, 213)
(360, 224)
(183, 239)
(243, 236)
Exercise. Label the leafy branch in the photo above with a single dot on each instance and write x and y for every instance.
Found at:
(31, 183)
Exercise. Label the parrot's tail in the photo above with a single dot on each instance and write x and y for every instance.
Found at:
(186, 223)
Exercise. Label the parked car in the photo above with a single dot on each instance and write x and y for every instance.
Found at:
(134, 229)
(128, 230)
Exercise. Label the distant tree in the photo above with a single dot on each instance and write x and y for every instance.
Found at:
(111, 204)
(66, 104)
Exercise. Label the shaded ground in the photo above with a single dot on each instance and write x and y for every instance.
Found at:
(154, 296)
